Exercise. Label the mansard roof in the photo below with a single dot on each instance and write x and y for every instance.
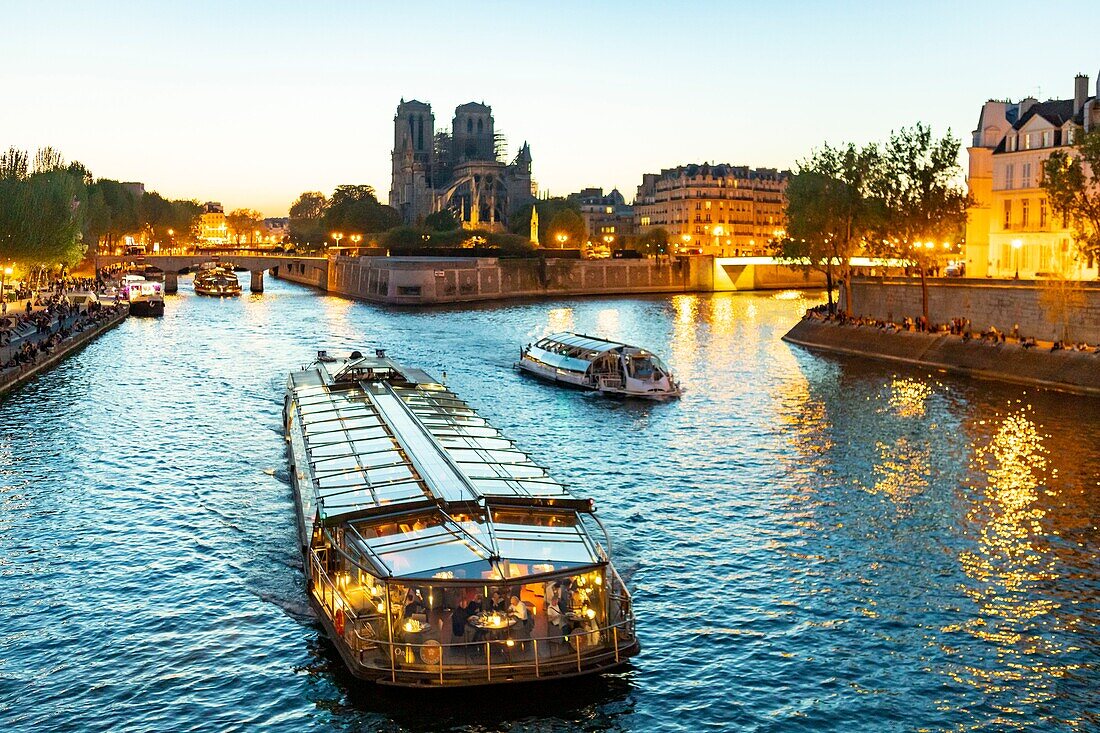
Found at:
(1055, 111)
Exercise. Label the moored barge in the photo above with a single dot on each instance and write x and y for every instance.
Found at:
(437, 554)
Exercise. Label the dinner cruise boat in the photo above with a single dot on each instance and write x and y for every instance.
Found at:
(596, 364)
(438, 554)
(145, 298)
(216, 281)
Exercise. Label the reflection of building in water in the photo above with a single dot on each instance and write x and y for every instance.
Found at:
(462, 171)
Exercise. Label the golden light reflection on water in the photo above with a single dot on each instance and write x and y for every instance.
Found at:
(902, 470)
(559, 319)
(908, 397)
(1012, 564)
(607, 324)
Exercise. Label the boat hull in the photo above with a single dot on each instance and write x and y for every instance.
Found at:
(586, 385)
(147, 308)
(218, 293)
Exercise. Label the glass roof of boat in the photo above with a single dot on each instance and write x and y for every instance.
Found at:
(429, 487)
(590, 343)
(356, 462)
(490, 462)
(432, 544)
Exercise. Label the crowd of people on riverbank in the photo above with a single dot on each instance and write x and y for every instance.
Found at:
(47, 318)
(956, 327)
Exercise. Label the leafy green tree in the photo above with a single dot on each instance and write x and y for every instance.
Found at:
(356, 209)
(443, 220)
(14, 164)
(566, 223)
(830, 210)
(307, 218)
(519, 221)
(244, 223)
(655, 241)
(1071, 180)
(919, 190)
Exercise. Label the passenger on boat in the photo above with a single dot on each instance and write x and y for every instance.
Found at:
(556, 615)
(414, 604)
(524, 619)
(459, 617)
(498, 603)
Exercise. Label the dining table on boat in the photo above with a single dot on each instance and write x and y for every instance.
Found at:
(492, 625)
(413, 631)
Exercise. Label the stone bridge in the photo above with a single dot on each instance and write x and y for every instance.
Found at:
(256, 263)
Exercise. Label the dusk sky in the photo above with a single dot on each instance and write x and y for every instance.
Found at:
(251, 103)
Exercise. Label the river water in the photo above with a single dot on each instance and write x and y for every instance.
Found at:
(813, 543)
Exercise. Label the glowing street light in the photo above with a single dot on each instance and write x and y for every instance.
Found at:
(562, 239)
(337, 236)
(356, 239)
(3, 278)
(1016, 244)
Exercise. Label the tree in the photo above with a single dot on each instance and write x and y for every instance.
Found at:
(519, 221)
(655, 241)
(922, 201)
(306, 218)
(1061, 298)
(1071, 180)
(566, 223)
(244, 223)
(356, 209)
(830, 210)
(14, 164)
(443, 220)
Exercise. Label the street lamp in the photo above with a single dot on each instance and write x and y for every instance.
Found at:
(3, 280)
(718, 231)
(337, 236)
(687, 240)
(562, 239)
(1016, 244)
(356, 239)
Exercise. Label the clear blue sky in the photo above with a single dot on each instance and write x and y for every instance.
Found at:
(251, 103)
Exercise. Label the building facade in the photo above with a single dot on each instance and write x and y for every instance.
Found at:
(1011, 230)
(461, 170)
(608, 218)
(213, 228)
(720, 209)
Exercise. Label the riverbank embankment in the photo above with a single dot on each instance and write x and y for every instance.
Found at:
(1048, 310)
(1066, 370)
(13, 377)
(442, 280)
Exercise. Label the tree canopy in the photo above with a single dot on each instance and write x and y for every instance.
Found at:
(1071, 180)
(352, 209)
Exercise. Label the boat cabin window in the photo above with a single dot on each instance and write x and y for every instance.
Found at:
(424, 545)
(645, 367)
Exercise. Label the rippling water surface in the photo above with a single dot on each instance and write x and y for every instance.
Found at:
(813, 544)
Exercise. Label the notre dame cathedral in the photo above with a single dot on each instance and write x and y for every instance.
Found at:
(461, 170)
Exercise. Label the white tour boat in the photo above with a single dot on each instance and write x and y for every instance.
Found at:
(145, 298)
(596, 364)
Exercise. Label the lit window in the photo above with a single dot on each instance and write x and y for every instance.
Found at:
(1027, 141)
(1025, 206)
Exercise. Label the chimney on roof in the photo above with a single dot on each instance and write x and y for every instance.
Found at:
(1026, 103)
(1080, 92)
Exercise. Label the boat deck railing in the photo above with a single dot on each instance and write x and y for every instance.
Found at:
(497, 658)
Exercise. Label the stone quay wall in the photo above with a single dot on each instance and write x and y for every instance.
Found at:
(1069, 371)
(12, 378)
(440, 280)
(1039, 307)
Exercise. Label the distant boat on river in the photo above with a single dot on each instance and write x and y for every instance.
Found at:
(216, 281)
(596, 364)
